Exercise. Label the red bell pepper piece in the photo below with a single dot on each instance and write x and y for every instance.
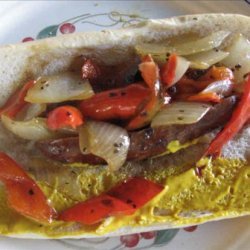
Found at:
(218, 73)
(23, 194)
(95, 210)
(136, 192)
(122, 199)
(149, 71)
(205, 97)
(187, 85)
(168, 70)
(64, 116)
(122, 103)
(146, 115)
(188, 88)
(16, 101)
(240, 116)
(150, 74)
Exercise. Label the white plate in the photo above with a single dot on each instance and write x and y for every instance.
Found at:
(19, 20)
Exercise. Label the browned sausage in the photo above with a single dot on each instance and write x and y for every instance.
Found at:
(145, 143)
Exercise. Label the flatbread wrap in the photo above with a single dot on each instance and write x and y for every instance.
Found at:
(122, 131)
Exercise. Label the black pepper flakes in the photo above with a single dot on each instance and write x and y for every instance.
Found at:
(116, 151)
(237, 66)
(112, 94)
(31, 192)
(68, 113)
(129, 201)
(180, 118)
(245, 75)
(195, 74)
(118, 145)
(143, 114)
(172, 90)
(73, 172)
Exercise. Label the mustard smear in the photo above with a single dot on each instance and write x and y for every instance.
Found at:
(175, 146)
(222, 189)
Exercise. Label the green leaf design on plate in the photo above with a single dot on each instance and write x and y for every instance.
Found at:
(48, 32)
(164, 236)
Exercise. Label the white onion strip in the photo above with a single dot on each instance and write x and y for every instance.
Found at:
(107, 141)
(182, 66)
(204, 60)
(186, 47)
(34, 129)
(32, 110)
(239, 57)
(58, 88)
(221, 88)
(180, 113)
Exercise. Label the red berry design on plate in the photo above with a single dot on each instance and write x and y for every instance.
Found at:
(130, 240)
(190, 229)
(148, 235)
(67, 28)
(28, 39)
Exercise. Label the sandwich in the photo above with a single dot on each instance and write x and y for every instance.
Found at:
(129, 130)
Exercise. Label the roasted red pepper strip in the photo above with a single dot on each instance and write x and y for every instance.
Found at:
(239, 117)
(16, 101)
(189, 89)
(205, 97)
(122, 199)
(150, 74)
(146, 115)
(149, 71)
(168, 70)
(122, 103)
(64, 116)
(95, 210)
(218, 73)
(187, 85)
(23, 194)
(136, 192)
